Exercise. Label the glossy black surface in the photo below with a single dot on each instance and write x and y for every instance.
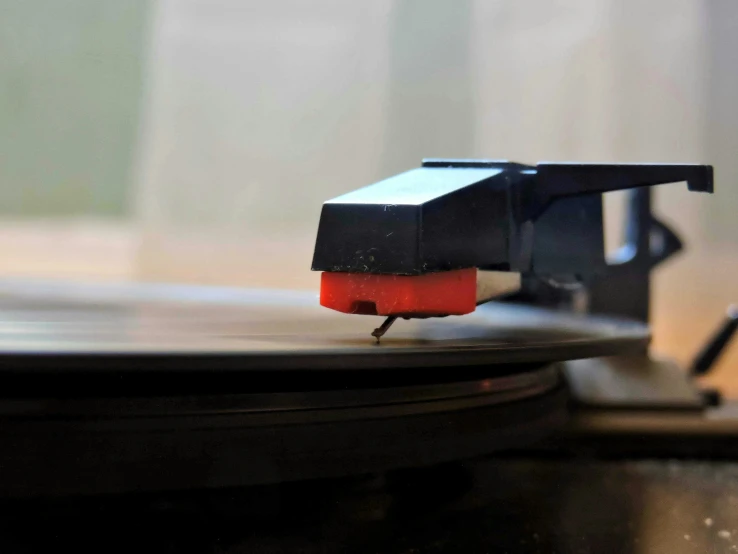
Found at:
(514, 506)
(53, 328)
(143, 388)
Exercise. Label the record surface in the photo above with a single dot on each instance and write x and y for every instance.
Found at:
(130, 388)
(241, 329)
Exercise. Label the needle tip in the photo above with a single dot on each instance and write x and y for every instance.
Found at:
(382, 329)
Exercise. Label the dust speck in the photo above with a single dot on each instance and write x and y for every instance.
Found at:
(687, 538)
(708, 522)
(724, 534)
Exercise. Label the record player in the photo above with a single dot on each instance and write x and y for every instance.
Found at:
(155, 387)
(512, 335)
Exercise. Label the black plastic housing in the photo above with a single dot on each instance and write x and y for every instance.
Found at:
(489, 214)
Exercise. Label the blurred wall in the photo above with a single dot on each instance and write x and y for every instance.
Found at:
(70, 88)
(721, 116)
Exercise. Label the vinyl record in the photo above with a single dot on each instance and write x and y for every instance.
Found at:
(107, 388)
(233, 329)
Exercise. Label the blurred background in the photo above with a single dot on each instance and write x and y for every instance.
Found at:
(195, 140)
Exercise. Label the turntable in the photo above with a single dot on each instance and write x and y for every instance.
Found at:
(110, 389)
(506, 399)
